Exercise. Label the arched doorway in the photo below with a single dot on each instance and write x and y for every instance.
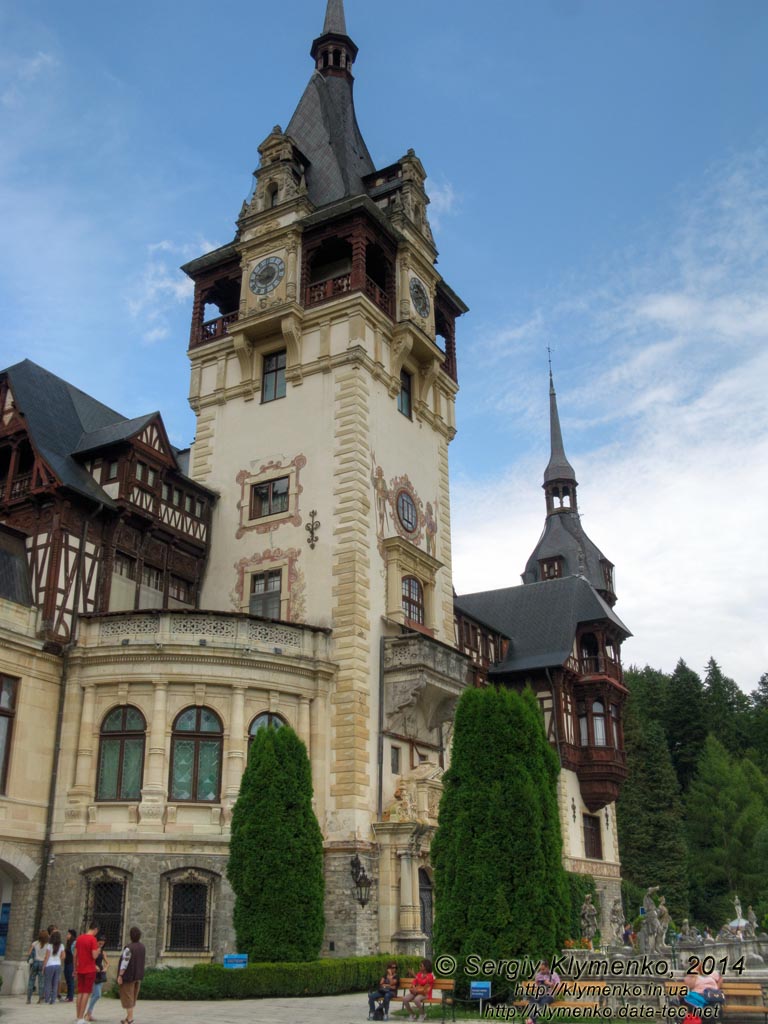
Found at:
(425, 903)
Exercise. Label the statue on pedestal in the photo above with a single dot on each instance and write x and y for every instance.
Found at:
(588, 919)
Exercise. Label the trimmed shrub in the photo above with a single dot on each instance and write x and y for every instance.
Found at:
(578, 887)
(272, 980)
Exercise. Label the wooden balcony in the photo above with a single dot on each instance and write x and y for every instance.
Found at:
(596, 665)
(324, 291)
(217, 328)
(20, 485)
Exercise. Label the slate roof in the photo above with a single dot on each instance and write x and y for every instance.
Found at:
(325, 129)
(334, 18)
(558, 467)
(64, 421)
(14, 572)
(564, 537)
(540, 619)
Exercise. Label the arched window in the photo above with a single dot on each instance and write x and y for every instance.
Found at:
(196, 750)
(121, 755)
(264, 721)
(413, 600)
(598, 723)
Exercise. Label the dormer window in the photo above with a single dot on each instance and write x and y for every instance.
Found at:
(551, 568)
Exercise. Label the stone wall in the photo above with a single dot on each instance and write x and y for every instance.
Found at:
(350, 930)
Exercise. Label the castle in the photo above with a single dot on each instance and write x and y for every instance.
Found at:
(158, 607)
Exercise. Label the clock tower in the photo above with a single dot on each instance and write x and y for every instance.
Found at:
(323, 378)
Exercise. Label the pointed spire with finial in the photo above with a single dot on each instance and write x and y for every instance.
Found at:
(558, 468)
(334, 18)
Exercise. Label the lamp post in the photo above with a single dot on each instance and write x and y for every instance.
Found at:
(361, 880)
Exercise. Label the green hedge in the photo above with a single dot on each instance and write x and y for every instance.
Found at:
(260, 981)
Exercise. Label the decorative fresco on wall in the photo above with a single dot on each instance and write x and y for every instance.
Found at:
(273, 558)
(398, 503)
(273, 471)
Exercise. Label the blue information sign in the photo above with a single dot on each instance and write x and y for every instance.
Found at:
(235, 961)
(479, 990)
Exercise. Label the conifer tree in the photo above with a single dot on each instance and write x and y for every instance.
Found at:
(649, 813)
(685, 725)
(276, 853)
(497, 855)
(728, 706)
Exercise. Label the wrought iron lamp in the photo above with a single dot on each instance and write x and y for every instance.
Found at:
(361, 880)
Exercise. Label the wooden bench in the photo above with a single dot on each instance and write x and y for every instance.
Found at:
(568, 994)
(742, 998)
(442, 992)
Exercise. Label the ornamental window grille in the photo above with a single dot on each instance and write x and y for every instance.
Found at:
(189, 912)
(105, 903)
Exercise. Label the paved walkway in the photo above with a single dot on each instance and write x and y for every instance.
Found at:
(349, 1009)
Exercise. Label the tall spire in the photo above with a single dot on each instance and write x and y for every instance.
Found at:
(334, 18)
(558, 468)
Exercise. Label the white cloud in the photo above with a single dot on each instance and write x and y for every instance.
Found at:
(662, 401)
(443, 200)
(19, 73)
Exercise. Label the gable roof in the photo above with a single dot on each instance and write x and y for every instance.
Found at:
(541, 619)
(64, 421)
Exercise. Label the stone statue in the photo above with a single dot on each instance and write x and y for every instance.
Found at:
(663, 916)
(750, 929)
(737, 908)
(685, 931)
(649, 933)
(402, 807)
(617, 922)
(588, 919)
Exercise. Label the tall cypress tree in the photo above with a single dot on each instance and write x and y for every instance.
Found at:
(276, 853)
(497, 855)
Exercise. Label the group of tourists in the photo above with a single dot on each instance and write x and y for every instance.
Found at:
(84, 964)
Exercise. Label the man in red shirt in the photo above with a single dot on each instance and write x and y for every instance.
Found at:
(86, 951)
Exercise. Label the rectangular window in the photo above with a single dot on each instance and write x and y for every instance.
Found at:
(395, 760)
(177, 496)
(8, 693)
(404, 398)
(141, 470)
(166, 492)
(124, 565)
(109, 471)
(188, 916)
(151, 476)
(265, 594)
(593, 843)
(273, 383)
(188, 503)
(152, 577)
(181, 590)
(199, 508)
(269, 498)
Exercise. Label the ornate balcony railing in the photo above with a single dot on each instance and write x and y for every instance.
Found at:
(21, 485)
(378, 295)
(328, 289)
(217, 328)
(595, 665)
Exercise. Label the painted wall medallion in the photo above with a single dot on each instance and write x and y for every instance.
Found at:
(419, 298)
(267, 275)
(406, 512)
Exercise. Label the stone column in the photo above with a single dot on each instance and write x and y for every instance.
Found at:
(303, 730)
(153, 792)
(82, 791)
(237, 744)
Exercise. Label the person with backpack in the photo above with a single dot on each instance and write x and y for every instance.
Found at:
(388, 986)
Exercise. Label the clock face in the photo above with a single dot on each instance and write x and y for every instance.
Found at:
(419, 298)
(267, 275)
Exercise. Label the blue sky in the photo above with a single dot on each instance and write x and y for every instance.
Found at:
(599, 177)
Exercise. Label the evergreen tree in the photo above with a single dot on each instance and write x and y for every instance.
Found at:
(497, 854)
(726, 821)
(649, 813)
(649, 688)
(758, 722)
(276, 853)
(685, 722)
(726, 705)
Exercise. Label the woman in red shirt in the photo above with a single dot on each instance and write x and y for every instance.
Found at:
(420, 992)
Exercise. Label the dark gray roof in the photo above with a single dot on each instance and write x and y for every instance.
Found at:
(334, 18)
(541, 619)
(558, 468)
(112, 433)
(14, 573)
(564, 537)
(325, 129)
